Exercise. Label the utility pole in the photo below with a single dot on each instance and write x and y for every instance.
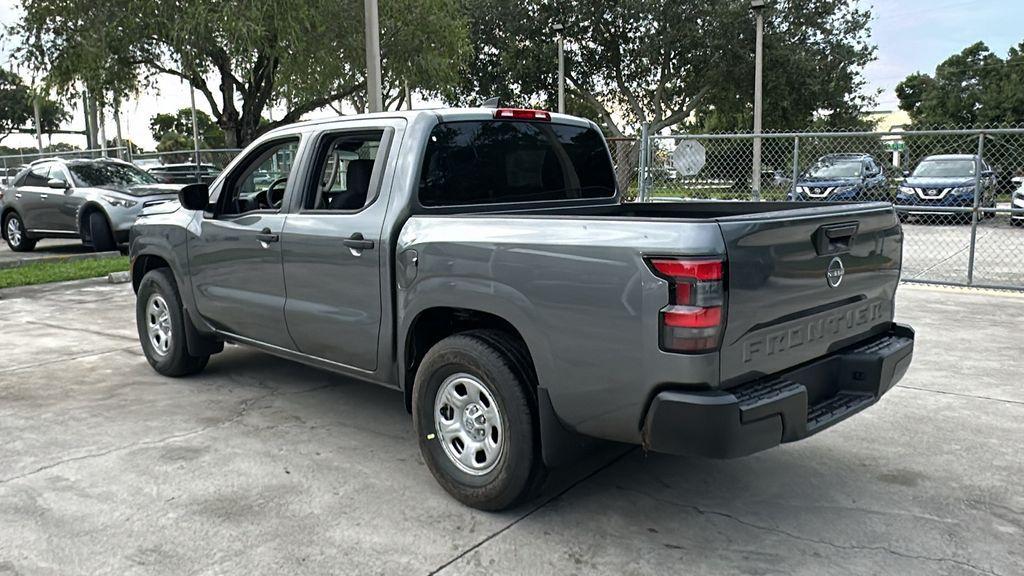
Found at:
(37, 110)
(374, 98)
(558, 28)
(758, 7)
(195, 131)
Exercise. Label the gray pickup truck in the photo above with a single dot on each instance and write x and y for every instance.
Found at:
(480, 262)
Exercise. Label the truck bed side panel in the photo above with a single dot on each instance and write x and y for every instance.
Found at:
(579, 293)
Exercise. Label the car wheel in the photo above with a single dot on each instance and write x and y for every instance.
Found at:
(16, 235)
(100, 236)
(160, 319)
(475, 416)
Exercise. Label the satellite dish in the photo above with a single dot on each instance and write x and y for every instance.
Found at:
(688, 158)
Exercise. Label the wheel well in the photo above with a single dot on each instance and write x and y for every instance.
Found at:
(435, 324)
(144, 264)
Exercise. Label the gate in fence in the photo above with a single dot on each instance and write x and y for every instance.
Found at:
(959, 193)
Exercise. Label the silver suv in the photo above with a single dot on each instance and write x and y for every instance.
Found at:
(95, 200)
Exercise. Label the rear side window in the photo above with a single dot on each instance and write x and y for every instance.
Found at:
(498, 162)
(36, 176)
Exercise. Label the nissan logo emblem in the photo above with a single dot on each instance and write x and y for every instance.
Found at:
(834, 272)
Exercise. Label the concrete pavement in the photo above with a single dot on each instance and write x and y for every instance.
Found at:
(262, 466)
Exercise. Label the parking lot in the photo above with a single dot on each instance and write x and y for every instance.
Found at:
(260, 465)
(940, 251)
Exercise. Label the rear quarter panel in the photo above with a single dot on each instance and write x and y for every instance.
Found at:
(578, 291)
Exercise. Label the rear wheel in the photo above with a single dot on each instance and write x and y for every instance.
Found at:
(16, 235)
(100, 235)
(476, 420)
(160, 320)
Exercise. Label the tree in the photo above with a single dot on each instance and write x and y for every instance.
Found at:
(180, 123)
(664, 62)
(15, 103)
(241, 57)
(17, 112)
(973, 88)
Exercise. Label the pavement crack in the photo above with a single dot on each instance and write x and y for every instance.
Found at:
(781, 532)
(82, 330)
(962, 395)
(66, 359)
(530, 512)
(241, 412)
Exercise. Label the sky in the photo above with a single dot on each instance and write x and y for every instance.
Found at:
(911, 36)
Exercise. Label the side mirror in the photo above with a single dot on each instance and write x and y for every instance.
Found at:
(988, 174)
(57, 184)
(194, 196)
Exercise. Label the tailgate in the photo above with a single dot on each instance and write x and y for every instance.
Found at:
(803, 283)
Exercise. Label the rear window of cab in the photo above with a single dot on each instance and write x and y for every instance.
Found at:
(510, 161)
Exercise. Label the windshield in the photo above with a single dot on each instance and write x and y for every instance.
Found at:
(944, 168)
(499, 161)
(835, 169)
(109, 174)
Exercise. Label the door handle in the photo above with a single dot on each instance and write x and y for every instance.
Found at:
(835, 238)
(266, 236)
(17, 194)
(357, 242)
(43, 196)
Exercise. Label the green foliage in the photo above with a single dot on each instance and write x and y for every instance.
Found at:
(15, 103)
(242, 57)
(180, 124)
(973, 88)
(667, 62)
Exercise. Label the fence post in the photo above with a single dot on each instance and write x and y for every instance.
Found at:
(796, 168)
(641, 189)
(978, 189)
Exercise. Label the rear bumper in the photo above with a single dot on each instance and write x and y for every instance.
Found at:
(780, 408)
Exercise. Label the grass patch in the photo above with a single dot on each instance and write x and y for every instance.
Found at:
(60, 271)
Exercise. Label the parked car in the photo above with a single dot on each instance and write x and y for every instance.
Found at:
(480, 262)
(7, 175)
(95, 200)
(843, 177)
(946, 181)
(1017, 203)
(186, 173)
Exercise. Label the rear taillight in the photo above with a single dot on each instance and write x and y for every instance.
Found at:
(692, 321)
(522, 114)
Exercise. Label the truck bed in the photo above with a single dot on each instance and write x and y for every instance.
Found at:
(578, 278)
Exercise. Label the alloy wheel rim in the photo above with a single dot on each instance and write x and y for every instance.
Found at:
(14, 231)
(158, 324)
(468, 424)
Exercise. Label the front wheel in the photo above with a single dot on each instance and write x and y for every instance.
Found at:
(160, 319)
(100, 235)
(16, 235)
(475, 418)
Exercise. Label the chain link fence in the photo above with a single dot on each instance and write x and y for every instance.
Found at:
(176, 166)
(958, 192)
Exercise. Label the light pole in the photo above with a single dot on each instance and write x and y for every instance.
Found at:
(758, 7)
(374, 99)
(558, 28)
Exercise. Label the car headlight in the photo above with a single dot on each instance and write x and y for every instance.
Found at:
(963, 190)
(119, 202)
(906, 190)
(844, 189)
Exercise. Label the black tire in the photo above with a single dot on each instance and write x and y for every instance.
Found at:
(26, 244)
(497, 361)
(100, 235)
(175, 360)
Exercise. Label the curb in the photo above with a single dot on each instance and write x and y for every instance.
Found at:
(56, 258)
